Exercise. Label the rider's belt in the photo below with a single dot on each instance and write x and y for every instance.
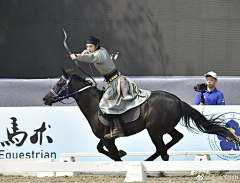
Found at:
(111, 77)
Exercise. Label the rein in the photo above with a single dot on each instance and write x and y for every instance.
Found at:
(65, 87)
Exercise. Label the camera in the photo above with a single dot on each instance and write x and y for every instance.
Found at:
(201, 87)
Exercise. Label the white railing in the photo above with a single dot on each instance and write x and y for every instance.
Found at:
(171, 153)
(135, 170)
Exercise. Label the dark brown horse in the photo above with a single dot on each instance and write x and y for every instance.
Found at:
(159, 115)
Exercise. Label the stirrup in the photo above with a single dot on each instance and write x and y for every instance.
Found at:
(128, 97)
(110, 135)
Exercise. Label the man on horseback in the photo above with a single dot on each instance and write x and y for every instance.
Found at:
(121, 92)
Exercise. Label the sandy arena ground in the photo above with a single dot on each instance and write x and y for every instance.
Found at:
(175, 178)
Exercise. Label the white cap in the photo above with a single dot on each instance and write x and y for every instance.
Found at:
(211, 73)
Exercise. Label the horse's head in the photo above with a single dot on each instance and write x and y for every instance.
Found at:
(64, 88)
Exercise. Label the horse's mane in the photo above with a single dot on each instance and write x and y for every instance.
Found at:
(75, 76)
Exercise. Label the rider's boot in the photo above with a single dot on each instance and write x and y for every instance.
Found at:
(125, 89)
(117, 130)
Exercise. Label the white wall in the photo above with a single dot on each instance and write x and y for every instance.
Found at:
(71, 133)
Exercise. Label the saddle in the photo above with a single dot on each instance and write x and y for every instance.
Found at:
(129, 116)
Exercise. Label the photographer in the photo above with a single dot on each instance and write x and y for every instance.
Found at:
(211, 96)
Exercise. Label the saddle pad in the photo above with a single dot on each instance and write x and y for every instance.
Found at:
(129, 116)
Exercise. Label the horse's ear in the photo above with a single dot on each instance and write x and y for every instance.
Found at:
(64, 73)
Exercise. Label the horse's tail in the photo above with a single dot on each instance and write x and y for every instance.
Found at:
(213, 125)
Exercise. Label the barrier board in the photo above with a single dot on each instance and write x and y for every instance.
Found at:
(45, 132)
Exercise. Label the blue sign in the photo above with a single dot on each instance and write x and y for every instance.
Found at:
(218, 143)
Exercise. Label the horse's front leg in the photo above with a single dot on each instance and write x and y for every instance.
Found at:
(100, 149)
(112, 148)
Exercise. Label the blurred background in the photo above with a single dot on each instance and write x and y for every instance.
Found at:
(153, 38)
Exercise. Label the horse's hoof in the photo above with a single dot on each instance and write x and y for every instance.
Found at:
(122, 153)
(166, 157)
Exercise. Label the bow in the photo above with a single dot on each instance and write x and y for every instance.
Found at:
(76, 63)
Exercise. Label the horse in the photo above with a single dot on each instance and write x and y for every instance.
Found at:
(159, 114)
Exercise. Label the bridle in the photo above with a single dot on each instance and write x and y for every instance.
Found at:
(65, 87)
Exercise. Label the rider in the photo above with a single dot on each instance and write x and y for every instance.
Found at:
(121, 92)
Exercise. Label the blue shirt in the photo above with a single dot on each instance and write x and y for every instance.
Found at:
(214, 97)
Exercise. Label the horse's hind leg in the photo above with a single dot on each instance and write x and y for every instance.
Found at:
(176, 136)
(160, 146)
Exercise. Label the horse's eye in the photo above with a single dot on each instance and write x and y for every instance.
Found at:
(60, 84)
